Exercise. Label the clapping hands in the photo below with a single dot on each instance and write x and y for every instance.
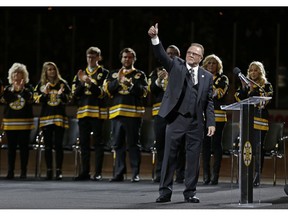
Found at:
(18, 86)
(83, 77)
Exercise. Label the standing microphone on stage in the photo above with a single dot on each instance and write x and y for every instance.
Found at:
(237, 72)
(247, 81)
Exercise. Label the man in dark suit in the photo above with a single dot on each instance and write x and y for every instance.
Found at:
(187, 104)
(158, 80)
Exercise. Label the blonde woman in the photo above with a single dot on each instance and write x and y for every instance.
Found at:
(213, 64)
(53, 92)
(260, 87)
(18, 117)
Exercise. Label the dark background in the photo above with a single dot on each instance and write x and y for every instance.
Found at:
(238, 35)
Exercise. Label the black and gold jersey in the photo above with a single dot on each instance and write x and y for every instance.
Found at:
(156, 90)
(124, 100)
(220, 90)
(18, 111)
(53, 103)
(261, 114)
(90, 99)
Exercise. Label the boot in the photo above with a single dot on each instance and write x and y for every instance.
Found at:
(214, 180)
(58, 174)
(49, 174)
(206, 179)
(23, 174)
(10, 175)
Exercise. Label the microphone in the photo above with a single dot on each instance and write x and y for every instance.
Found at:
(237, 72)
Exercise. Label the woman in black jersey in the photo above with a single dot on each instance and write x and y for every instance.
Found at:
(53, 92)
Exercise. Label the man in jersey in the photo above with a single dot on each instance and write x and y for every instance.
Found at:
(126, 87)
(88, 93)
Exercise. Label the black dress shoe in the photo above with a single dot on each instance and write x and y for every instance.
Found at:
(82, 177)
(157, 179)
(49, 174)
(206, 181)
(117, 179)
(10, 175)
(58, 174)
(163, 199)
(23, 176)
(193, 199)
(179, 180)
(135, 179)
(214, 182)
(256, 184)
(96, 177)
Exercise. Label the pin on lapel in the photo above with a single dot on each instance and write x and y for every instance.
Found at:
(202, 76)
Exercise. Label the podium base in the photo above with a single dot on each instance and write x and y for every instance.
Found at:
(247, 205)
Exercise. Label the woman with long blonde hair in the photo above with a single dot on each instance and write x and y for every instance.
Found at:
(53, 92)
(258, 87)
(213, 64)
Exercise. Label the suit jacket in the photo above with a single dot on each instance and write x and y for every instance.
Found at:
(177, 70)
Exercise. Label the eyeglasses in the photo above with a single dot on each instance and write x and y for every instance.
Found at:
(193, 54)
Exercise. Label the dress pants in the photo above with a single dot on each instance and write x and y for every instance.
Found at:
(126, 134)
(86, 126)
(160, 131)
(188, 128)
(212, 145)
(53, 138)
(19, 138)
(259, 136)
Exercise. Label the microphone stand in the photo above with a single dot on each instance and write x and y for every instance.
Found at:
(250, 80)
(262, 104)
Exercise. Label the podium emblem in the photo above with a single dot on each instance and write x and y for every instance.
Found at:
(247, 153)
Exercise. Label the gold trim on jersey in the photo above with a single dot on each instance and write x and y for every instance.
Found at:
(261, 124)
(156, 108)
(126, 110)
(92, 111)
(90, 73)
(105, 88)
(165, 84)
(220, 116)
(58, 120)
(18, 124)
(126, 71)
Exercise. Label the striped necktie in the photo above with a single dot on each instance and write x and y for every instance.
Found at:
(191, 71)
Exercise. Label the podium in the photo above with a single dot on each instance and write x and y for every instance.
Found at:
(246, 108)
